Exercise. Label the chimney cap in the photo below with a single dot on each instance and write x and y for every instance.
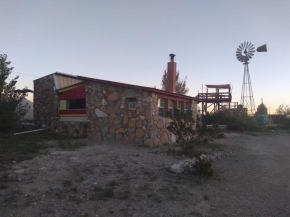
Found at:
(172, 57)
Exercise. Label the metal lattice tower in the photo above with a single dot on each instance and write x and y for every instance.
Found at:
(244, 53)
(247, 98)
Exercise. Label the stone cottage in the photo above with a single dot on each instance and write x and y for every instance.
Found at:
(107, 110)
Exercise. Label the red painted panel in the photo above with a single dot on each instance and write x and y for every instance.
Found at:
(75, 93)
(73, 112)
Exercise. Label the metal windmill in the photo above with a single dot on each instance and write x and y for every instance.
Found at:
(244, 53)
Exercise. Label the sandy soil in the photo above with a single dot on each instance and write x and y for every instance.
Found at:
(108, 179)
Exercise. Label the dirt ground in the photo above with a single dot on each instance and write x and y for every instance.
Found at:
(252, 178)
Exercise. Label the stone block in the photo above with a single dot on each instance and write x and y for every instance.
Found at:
(139, 124)
(112, 130)
(164, 138)
(104, 103)
(118, 126)
(160, 124)
(132, 122)
(98, 104)
(120, 130)
(148, 142)
(125, 119)
(113, 96)
(116, 122)
(139, 132)
(131, 129)
(100, 113)
(148, 114)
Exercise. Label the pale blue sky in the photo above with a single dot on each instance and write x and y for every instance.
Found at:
(129, 41)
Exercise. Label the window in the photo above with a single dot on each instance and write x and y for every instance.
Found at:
(76, 104)
(170, 107)
(161, 107)
(187, 107)
(179, 106)
(132, 104)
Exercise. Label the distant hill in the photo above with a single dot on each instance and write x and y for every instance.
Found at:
(29, 114)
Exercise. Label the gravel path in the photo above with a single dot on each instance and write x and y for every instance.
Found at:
(256, 182)
(252, 178)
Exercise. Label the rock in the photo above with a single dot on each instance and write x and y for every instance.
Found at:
(112, 130)
(139, 132)
(160, 124)
(104, 102)
(203, 156)
(132, 122)
(142, 117)
(100, 113)
(164, 138)
(98, 104)
(19, 171)
(113, 96)
(186, 165)
(177, 168)
(120, 130)
(138, 123)
(125, 119)
(148, 114)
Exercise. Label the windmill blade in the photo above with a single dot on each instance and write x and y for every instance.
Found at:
(251, 54)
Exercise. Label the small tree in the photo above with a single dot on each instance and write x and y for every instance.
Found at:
(181, 87)
(283, 109)
(11, 109)
(182, 126)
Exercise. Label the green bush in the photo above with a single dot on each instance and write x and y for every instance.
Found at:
(203, 166)
(182, 126)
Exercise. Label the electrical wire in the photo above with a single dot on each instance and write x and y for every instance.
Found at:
(24, 74)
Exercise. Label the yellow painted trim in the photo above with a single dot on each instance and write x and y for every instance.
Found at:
(72, 115)
(69, 88)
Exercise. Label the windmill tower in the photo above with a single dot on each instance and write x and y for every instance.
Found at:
(244, 53)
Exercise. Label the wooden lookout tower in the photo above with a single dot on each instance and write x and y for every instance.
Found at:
(218, 100)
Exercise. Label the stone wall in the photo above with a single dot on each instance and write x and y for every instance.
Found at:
(71, 128)
(45, 102)
(111, 119)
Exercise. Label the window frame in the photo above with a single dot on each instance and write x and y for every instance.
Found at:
(130, 102)
(179, 105)
(170, 107)
(161, 107)
(77, 102)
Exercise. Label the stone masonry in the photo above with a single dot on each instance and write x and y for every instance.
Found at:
(108, 116)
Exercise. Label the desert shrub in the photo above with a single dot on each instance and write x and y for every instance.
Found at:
(182, 126)
(203, 166)
(205, 133)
